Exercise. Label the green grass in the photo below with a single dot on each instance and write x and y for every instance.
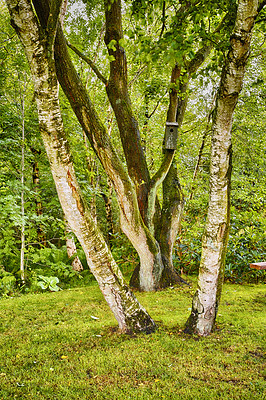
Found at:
(51, 348)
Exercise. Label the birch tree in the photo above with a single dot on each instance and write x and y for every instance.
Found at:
(207, 297)
(38, 43)
(151, 228)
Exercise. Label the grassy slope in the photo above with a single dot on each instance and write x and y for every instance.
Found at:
(50, 348)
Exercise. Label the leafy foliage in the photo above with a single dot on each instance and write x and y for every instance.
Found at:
(48, 282)
(7, 283)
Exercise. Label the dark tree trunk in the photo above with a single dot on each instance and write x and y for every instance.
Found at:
(117, 91)
(109, 212)
(173, 197)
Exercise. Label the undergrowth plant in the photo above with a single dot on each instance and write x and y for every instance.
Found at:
(48, 282)
(7, 283)
(246, 245)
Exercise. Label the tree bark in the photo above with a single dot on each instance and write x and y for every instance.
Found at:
(131, 316)
(117, 91)
(206, 299)
(108, 211)
(71, 249)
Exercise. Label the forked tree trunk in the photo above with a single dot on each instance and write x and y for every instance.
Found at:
(130, 218)
(206, 299)
(38, 44)
(136, 191)
(173, 197)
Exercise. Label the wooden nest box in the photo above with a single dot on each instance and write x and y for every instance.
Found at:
(171, 133)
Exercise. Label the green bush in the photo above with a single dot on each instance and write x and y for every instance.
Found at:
(7, 283)
(53, 261)
(247, 244)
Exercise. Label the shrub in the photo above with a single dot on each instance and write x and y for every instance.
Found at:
(7, 283)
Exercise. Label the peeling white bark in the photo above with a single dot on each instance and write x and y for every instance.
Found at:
(72, 250)
(207, 296)
(131, 316)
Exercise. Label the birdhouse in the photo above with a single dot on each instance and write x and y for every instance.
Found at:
(171, 133)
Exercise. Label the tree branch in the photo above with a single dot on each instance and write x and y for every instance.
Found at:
(157, 105)
(260, 20)
(199, 58)
(157, 179)
(117, 92)
(163, 20)
(139, 72)
(89, 62)
(97, 49)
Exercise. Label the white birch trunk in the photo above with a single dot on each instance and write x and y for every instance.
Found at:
(131, 316)
(71, 249)
(214, 243)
